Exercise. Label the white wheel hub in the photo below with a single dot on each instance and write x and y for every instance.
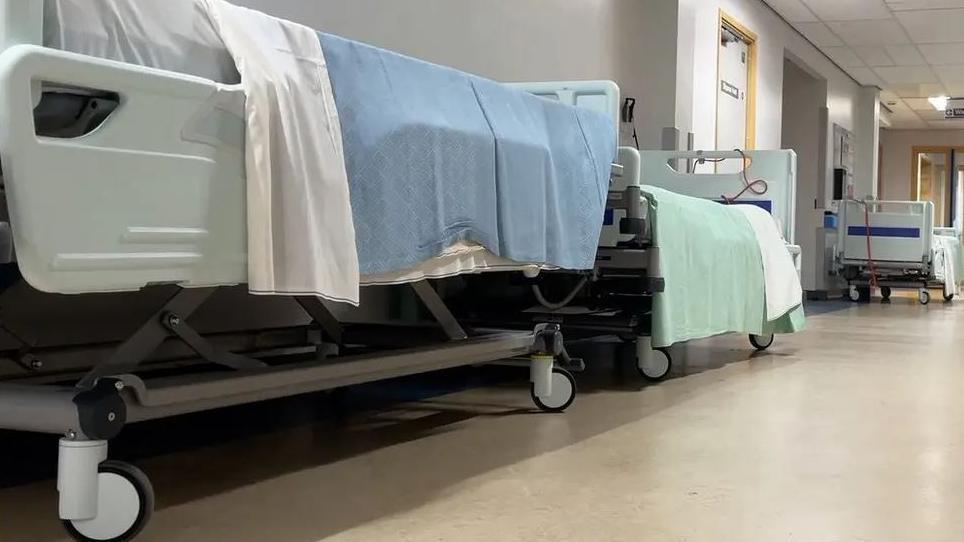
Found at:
(561, 392)
(118, 505)
(854, 294)
(763, 341)
(654, 364)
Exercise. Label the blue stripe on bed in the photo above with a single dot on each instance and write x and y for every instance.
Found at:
(764, 204)
(884, 231)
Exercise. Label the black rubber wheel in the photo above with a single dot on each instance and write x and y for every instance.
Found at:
(948, 297)
(864, 292)
(663, 371)
(885, 292)
(924, 297)
(762, 342)
(563, 392)
(145, 496)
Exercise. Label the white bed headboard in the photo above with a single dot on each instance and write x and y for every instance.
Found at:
(601, 96)
(777, 168)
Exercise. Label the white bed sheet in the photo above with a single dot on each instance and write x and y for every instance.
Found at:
(174, 35)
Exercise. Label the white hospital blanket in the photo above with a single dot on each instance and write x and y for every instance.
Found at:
(945, 263)
(783, 289)
(301, 235)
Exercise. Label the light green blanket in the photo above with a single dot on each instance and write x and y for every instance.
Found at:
(710, 259)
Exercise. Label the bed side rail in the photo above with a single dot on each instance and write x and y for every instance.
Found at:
(777, 168)
(600, 96)
(900, 232)
(154, 194)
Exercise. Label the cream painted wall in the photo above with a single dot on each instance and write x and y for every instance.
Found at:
(897, 154)
(629, 41)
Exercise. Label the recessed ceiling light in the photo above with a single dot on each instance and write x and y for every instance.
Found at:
(939, 102)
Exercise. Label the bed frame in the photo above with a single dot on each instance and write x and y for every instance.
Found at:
(902, 237)
(154, 196)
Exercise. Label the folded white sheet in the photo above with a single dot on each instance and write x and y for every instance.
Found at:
(783, 289)
(301, 235)
(945, 263)
(462, 258)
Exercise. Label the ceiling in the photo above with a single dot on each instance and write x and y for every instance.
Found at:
(912, 49)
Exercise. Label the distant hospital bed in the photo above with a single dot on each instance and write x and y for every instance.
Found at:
(894, 244)
(123, 168)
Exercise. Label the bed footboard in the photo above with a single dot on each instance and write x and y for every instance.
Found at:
(155, 193)
(901, 233)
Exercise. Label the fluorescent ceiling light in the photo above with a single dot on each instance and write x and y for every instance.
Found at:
(939, 102)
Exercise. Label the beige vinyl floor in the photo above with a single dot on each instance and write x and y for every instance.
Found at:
(850, 431)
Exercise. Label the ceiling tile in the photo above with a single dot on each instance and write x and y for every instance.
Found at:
(819, 34)
(905, 55)
(919, 104)
(845, 57)
(950, 74)
(933, 26)
(906, 5)
(865, 76)
(848, 10)
(930, 114)
(899, 109)
(877, 32)
(874, 56)
(910, 90)
(906, 74)
(908, 124)
(888, 96)
(943, 53)
(793, 11)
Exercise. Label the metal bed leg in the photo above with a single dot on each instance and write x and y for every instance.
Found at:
(437, 307)
(323, 317)
(168, 320)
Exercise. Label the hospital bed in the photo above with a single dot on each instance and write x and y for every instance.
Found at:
(894, 244)
(120, 177)
(620, 296)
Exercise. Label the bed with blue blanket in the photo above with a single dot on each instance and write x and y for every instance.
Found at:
(436, 156)
(448, 172)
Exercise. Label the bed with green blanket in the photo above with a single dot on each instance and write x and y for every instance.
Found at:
(712, 266)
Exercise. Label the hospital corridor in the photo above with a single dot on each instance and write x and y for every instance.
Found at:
(493, 270)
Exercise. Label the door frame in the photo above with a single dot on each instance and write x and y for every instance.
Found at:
(955, 158)
(751, 40)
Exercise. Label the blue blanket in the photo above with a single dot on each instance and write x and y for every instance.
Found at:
(436, 156)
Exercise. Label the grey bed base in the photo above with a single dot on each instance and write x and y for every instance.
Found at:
(123, 389)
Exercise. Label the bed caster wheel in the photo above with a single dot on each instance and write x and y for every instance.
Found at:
(761, 342)
(853, 294)
(655, 367)
(948, 297)
(125, 503)
(885, 293)
(924, 297)
(563, 392)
